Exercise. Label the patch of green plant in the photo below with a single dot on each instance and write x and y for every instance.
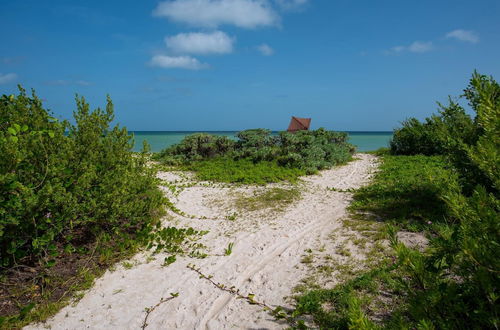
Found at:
(272, 198)
(74, 200)
(379, 152)
(307, 151)
(243, 171)
(307, 259)
(195, 147)
(63, 183)
(169, 260)
(229, 249)
(432, 137)
(174, 240)
(348, 305)
(453, 284)
(407, 190)
(127, 264)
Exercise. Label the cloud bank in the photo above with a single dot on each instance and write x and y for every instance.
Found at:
(463, 35)
(200, 43)
(265, 50)
(247, 14)
(414, 47)
(178, 62)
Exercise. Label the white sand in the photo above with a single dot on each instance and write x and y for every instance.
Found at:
(266, 260)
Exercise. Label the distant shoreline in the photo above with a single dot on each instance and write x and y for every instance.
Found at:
(205, 131)
(159, 140)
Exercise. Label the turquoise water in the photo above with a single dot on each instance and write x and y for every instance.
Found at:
(365, 141)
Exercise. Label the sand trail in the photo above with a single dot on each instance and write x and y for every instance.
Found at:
(266, 259)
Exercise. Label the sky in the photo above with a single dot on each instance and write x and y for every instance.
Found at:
(355, 65)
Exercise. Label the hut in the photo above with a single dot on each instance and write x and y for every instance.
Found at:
(299, 124)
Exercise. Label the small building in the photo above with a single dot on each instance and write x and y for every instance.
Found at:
(299, 124)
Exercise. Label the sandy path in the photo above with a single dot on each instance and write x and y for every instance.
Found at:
(266, 260)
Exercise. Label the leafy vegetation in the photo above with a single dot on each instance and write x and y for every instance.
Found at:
(407, 191)
(453, 284)
(198, 146)
(273, 198)
(229, 249)
(436, 134)
(259, 157)
(243, 171)
(74, 199)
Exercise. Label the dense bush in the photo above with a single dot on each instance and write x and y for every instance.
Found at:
(454, 283)
(195, 147)
(472, 145)
(308, 151)
(63, 184)
(433, 136)
(314, 150)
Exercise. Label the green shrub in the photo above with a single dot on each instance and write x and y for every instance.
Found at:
(308, 151)
(74, 199)
(314, 150)
(478, 158)
(195, 147)
(435, 135)
(255, 138)
(454, 283)
(59, 189)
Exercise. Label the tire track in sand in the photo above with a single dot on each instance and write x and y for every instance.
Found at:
(355, 170)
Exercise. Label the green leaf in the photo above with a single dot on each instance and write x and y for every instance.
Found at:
(169, 260)
(50, 263)
(26, 309)
(51, 134)
(12, 130)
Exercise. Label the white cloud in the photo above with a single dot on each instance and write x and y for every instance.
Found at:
(200, 43)
(420, 47)
(291, 4)
(398, 49)
(463, 35)
(213, 13)
(179, 62)
(82, 83)
(265, 50)
(59, 82)
(414, 47)
(7, 78)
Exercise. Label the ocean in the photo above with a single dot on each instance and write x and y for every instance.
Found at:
(159, 140)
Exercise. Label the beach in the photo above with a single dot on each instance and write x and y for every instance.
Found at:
(270, 257)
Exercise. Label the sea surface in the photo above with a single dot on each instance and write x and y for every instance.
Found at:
(159, 140)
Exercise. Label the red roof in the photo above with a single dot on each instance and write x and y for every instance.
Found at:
(299, 124)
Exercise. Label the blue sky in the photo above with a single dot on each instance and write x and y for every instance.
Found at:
(236, 64)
